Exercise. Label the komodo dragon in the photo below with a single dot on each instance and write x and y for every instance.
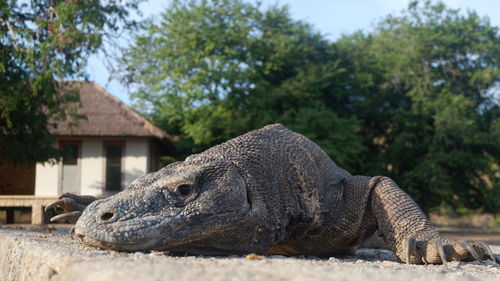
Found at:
(270, 191)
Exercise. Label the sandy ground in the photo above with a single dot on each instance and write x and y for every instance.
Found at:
(44, 254)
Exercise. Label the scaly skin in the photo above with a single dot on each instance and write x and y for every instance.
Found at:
(270, 191)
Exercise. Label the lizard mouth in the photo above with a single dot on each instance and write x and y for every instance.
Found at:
(118, 246)
(128, 235)
(160, 240)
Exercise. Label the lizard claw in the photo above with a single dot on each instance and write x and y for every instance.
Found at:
(72, 232)
(471, 249)
(410, 247)
(424, 260)
(72, 216)
(442, 255)
(72, 204)
(65, 203)
(431, 248)
(488, 250)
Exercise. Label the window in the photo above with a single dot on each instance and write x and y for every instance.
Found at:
(70, 156)
(114, 153)
(70, 175)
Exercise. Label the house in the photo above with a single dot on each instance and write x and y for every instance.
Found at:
(105, 151)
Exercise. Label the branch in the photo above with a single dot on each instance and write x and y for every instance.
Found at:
(14, 36)
(52, 11)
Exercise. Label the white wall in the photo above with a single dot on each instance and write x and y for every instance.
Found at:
(135, 162)
(47, 179)
(92, 169)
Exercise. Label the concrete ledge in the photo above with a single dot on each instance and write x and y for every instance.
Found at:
(37, 203)
(40, 254)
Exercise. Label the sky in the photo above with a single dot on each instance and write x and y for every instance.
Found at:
(330, 17)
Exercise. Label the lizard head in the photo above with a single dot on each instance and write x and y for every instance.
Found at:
(177, 208)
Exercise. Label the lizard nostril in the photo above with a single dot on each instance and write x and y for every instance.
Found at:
(106, 216)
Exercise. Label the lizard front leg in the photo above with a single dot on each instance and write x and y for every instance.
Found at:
(407, 231)
(72, 204)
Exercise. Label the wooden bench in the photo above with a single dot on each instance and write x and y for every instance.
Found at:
(37, 204)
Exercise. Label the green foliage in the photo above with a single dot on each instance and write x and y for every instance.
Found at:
(212, 70)
(438, 70)
(42, 42)
(415, 99)
(493, 225)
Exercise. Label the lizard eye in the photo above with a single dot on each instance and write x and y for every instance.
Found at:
(184, 189)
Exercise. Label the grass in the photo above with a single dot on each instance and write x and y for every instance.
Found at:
(493, 225)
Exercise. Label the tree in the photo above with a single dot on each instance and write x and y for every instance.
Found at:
(212, 70)
(42, 43)
(415, 99)
(428, 81)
